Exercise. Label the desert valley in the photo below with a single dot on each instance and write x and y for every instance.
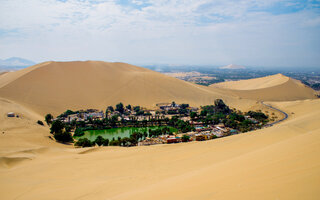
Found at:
(275, 162)
(159, 99)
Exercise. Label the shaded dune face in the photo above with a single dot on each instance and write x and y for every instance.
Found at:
(57, 86)
(271, 88)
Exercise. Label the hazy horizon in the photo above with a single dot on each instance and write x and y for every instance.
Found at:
(275, 33)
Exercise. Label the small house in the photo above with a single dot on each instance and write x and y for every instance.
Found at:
(172, 140)
(11, 114)
(200, 137)
(233, 132)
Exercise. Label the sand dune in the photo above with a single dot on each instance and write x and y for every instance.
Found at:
(271, 88)
(253, 84)
(280, 162)
(57, 86)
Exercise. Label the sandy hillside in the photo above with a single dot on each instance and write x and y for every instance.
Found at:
(57, 86)
(271, 88)
(281, 162)
(22, 132)
(253, 84)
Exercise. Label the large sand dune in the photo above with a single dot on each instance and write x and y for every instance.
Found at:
(280, 162)
(57, 86)
(271, 88)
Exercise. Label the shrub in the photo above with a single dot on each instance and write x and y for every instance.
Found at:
(126, 142)
(106, 142)
(110, 108)
(136, 108)
(260, 116)
(221, 107)
(57, 126)
(83, 142)
(140, 112)
(213, 137)
(48, 118)
(120, 108)
(99, 140)
(40, 122)
(63, 137)
(78, 132)
(114, 143)
(67, 112)
(185, 138)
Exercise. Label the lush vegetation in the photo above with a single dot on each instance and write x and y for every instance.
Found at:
(61, 132)
(134, 116)
(185, 138)
(221, 113)
(127, 132)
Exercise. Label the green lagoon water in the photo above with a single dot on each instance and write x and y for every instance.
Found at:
(118, 132)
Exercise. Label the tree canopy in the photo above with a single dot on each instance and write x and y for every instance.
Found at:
(48, 118)
(120, 108)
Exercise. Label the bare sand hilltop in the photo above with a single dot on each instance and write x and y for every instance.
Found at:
(271, 88)
(278, 162)
(57, 86)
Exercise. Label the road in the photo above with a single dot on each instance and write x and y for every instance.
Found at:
(285, 114)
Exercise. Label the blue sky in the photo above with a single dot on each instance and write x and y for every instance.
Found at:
(192, 32)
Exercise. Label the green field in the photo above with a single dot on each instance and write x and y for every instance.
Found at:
(118, 132)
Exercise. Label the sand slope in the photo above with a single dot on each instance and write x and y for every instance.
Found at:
(281, 162)
(253, 84)
(57, 86)
(22, 133)
(271, 88)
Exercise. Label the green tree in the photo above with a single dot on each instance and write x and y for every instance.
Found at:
(220, 106)
(57, 126)
(126, 142)
(203, 113)
(78, 132)
(136, 108)
(185, 138)
(63, 137)
(48, 118)
(83, 142)
(114, 143)
(120, 108)
(110, 108)
(129, 107)
(184, 106)
(99, 140)
(173, 104)
(193, 115)
(106, 142)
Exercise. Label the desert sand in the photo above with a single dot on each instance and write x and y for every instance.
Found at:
(55, 87)
(279, 162)
(271, 88)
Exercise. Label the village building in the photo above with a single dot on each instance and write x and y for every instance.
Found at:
(11, 114)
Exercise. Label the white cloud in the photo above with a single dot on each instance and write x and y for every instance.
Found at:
(160, 31)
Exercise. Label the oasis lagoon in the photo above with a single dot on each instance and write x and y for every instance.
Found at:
(120, 132)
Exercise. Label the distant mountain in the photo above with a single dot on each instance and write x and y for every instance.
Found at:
(232, 66)
(15, 63)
